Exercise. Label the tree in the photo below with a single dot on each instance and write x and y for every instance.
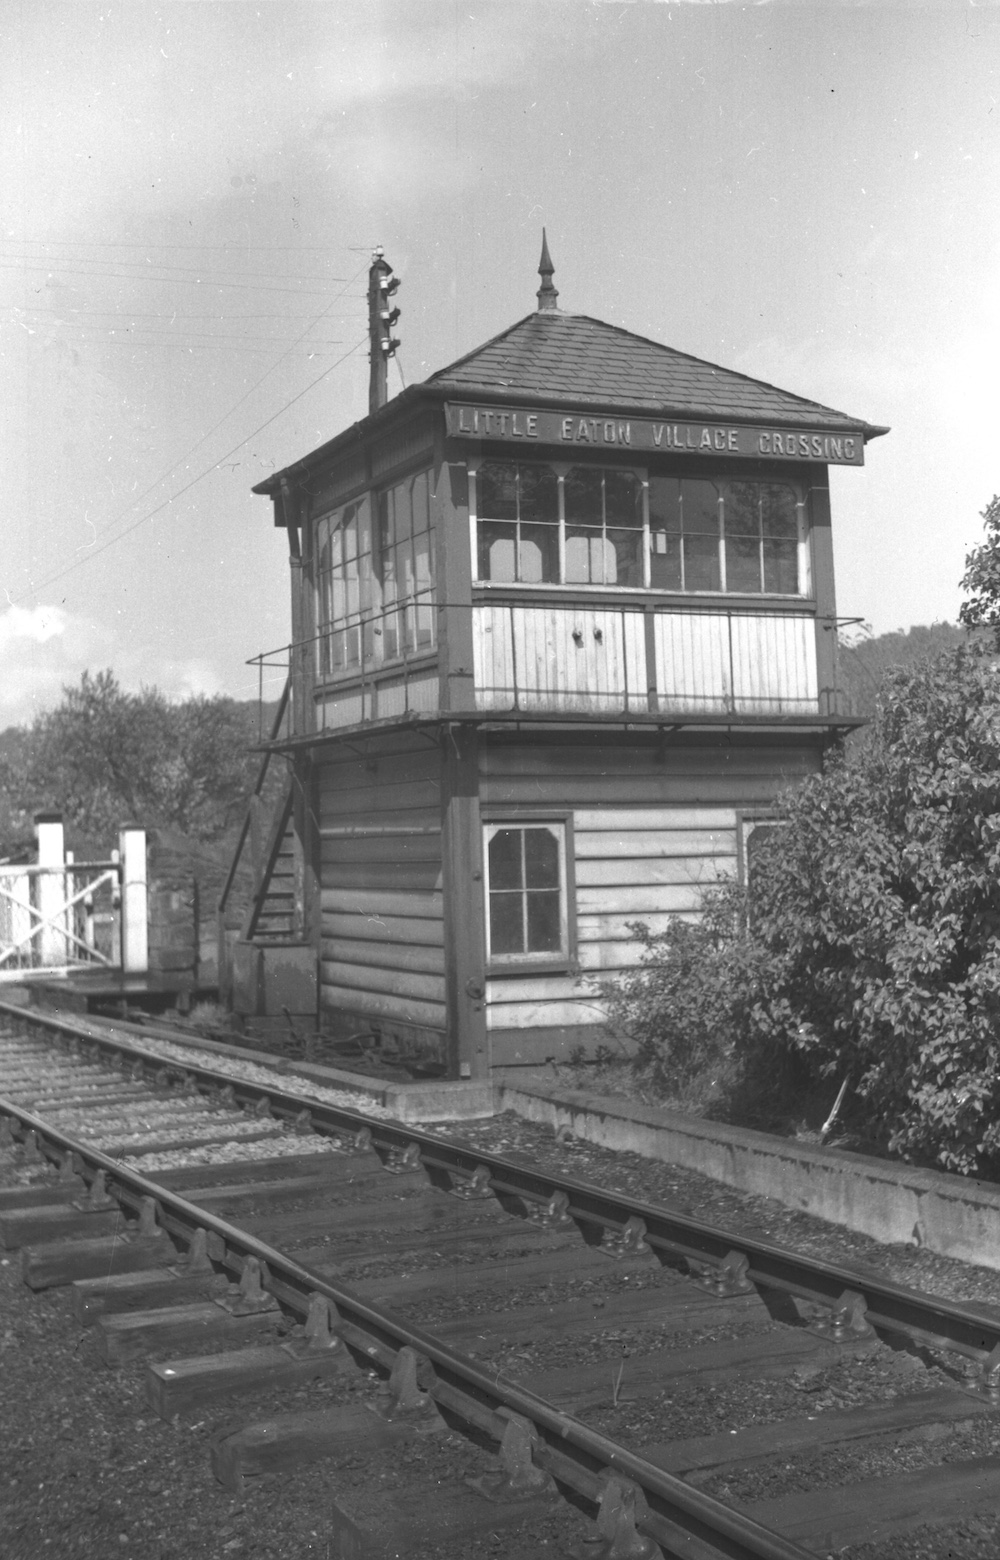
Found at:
(105, 757)
(982, 576)
(880, 907)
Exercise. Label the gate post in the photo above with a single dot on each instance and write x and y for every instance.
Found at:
(50, 941)
(135, 936)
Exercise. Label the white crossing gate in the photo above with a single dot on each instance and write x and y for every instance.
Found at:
(58, 915)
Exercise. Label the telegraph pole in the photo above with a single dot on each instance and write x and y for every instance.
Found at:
(381, 318)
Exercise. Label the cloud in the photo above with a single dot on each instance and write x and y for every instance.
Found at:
(130, 109)
(45, 649)
(36, 624)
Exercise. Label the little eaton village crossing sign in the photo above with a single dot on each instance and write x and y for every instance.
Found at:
(525, 425)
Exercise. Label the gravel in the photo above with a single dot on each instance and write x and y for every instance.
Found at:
(90, 1471)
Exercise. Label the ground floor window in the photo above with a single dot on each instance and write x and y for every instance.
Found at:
(755, 830)
(526, 887)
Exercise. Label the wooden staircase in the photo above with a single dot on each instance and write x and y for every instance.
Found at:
(274, 913)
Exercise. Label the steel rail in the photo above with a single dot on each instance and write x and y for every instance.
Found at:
(727, 1260)
(686, 1523)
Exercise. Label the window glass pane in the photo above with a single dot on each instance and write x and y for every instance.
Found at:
(420, 500)
(743, 563)
(665, 562)
(404, 568)
(622, 499)
(385, 526)
(350, 534)
(390, 583)
(496, 490)
(497, 551)
(506, 858)
(544, 928)
(584, 496)
(422, 561)
(409, 621)
(701, 563)
(781, 567)
(664, 504)
(700, 507)
(506, 923)
(337, 549)
(541, 858)
(538, 554)
(425, 624)
(580, 556)
(625, 550)
(404, 513)
(539, 494)
(741, 503)
(364, 522)
(779, 511)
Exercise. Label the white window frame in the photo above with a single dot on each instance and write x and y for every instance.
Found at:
(545, 957)
(561, 468)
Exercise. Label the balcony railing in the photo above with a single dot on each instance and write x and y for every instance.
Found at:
(629, 660)
(531, 657)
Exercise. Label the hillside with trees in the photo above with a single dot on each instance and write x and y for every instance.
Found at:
(864, 660)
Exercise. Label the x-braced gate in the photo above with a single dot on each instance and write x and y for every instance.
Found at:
(58, 915)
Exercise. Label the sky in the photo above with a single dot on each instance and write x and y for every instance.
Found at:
(191, 191)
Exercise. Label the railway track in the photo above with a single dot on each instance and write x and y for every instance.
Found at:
(429, 1287)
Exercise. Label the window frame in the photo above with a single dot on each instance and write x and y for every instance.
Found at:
(561, 468)
(370, 621)
(747, 820)
(542, 963)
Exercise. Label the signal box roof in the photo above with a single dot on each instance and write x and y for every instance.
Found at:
(574, 359)
(555, 358)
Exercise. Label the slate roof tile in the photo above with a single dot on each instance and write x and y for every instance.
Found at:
(586, 361)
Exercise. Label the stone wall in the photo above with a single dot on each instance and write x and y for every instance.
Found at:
(185, 880)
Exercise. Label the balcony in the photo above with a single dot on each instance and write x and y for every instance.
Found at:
(635, 660)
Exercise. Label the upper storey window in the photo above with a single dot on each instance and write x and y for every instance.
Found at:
(518, 510)
(536, 526)
(745, 537)
(375, 581)
(609, 526)
(346, 587)
(604, 527)
(406, 560)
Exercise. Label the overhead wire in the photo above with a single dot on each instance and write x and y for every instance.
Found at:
(97, 243)
(113, 540)
(172, 281)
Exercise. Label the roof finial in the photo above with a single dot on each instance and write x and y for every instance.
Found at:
(547, 294)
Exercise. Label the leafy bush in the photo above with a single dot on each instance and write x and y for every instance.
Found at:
(868, 943)
(879, 906)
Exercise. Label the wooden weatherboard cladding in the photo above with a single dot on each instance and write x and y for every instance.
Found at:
(382, 928)
(651, 826)
(525, 425)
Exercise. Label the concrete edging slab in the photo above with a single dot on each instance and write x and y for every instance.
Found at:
(894, 1203)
